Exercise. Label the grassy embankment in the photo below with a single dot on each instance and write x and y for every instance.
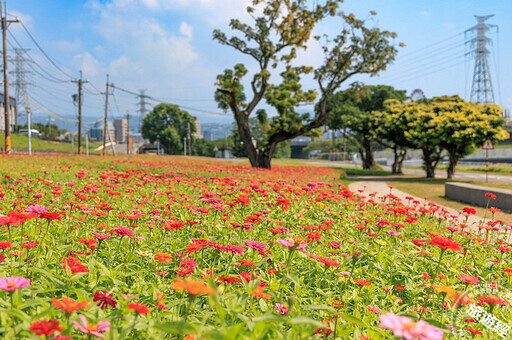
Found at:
(20, 144)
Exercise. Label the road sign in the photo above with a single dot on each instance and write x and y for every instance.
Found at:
(488, 145)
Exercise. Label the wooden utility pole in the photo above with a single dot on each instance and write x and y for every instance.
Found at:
(105, 125)
(80, 82)
(7, 101)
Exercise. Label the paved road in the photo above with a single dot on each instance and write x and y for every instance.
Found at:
(121, 148)
(468, 176)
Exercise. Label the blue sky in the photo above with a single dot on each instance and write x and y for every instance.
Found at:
(165, 47)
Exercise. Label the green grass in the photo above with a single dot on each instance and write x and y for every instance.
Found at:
(20, 143)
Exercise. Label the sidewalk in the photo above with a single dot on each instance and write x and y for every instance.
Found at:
(380, 188)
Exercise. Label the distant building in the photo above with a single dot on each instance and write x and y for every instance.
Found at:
(197, 134)
(208, 135)
(12, 111)
(96, 132)
(121, 130)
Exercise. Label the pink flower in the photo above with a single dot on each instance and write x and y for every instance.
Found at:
(37, 209)
(88, 328)
(101, 236)
(281, 309)
(374, 309)
(406, 328)
(123, 231)
(255, 245)
(291, 244)
(11, 284)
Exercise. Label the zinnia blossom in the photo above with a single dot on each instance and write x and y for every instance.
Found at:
(406, 328)
(87, 328)
(291, 244)
(104, 299)
(45, 327)
(68, 306)
(444, 243)
(123, 231)
(10, 284)
(473, 280)
(139, 308)
(163, 257)
(192, 286)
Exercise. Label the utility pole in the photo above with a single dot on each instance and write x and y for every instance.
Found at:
(481, 88)
(7, 101)
(105, 125)
(80, 82)
(127, 132)
(189, 138)
(29, 125)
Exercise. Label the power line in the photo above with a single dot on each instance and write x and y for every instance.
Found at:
(42, 51)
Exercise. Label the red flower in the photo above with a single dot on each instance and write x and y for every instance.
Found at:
(474, 331)
(45, 327)
(490, 195)
(139, 308)
(50, 216)
(469, 211)
(419, 242)
(362, 282)
(5, 245)
(105, 299)
(74, 265)
(444, 243)
(28, 245)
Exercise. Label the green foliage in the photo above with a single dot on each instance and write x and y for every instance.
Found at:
(168, 125)
(447, 123)
(280, 28)
(49, 131)
(203, 147)
(354, 111)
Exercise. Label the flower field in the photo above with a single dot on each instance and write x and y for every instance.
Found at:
(179, 248)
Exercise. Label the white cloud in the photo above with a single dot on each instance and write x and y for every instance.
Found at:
(68, 46)
(186, 30)
(88, 64)
(425, 13)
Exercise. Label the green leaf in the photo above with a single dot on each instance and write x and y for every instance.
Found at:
(354, 320)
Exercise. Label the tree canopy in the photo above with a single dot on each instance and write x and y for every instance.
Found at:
(278, 29)
(354, 111)
(446, 123)
(168, 125)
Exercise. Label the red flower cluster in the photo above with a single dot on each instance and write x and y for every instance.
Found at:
(74, 265)
(444, 243)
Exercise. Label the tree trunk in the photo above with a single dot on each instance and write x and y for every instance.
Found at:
(396, 168)
(451, 167)
(367, 157)
(429, 163)
(265, 156)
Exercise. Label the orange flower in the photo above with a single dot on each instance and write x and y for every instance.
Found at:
(259, 293)
(69, 306)
(192, 286)
(163, 257)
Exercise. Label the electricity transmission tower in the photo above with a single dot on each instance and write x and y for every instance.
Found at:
(20, 82)
(481, 88)
(142, 107)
